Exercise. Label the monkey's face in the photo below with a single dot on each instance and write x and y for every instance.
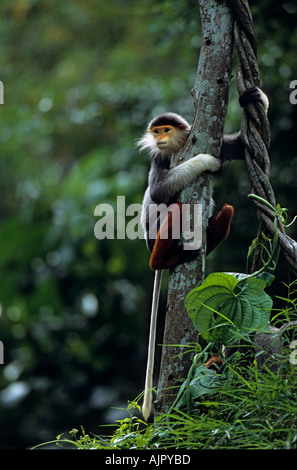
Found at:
(165, 138)
(163, 135)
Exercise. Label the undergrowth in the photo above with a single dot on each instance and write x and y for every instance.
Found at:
(251, 409)
(244, 404)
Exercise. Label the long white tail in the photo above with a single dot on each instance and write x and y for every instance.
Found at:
(148, 394)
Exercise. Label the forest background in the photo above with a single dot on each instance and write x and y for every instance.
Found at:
(81, 80)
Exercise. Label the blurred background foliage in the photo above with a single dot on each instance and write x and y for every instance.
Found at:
(81, 80)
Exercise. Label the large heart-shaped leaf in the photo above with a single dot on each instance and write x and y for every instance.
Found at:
(223, 304)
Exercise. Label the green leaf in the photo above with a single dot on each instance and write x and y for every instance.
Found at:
(205, 381)
(223, 305)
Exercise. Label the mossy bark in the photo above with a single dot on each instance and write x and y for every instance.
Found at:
(210, 94)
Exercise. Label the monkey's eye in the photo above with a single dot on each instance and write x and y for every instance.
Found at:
(167, 129)
(156, 131)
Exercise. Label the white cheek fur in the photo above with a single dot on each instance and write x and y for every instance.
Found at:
(147, 142)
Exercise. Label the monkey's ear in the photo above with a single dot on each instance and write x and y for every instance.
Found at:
(182, 127)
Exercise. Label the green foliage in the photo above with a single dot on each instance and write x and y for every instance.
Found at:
(200, 381)
(243, 408)
(227, 306)
(237, 406)
(224, 306)
(81, 80)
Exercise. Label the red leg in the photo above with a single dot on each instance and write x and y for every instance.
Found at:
(166, 253)
(218, 227)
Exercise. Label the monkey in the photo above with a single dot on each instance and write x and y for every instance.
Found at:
(166, 134)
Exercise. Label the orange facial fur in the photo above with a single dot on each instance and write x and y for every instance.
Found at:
(162, 134)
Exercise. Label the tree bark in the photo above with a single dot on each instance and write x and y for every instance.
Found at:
(210, 105)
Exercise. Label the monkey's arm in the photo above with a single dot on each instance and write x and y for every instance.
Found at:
(166, 183)
(232, 147)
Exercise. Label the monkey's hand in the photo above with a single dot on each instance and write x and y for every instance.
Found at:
(253, 95)
(205, 162)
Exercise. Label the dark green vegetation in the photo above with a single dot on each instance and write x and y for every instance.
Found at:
(81, 80)
(247, 401)
(242, 407)
(251, 410)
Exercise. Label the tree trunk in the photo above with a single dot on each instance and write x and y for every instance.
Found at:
(210, 99)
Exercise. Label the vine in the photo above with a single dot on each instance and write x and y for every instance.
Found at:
(255, 132)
